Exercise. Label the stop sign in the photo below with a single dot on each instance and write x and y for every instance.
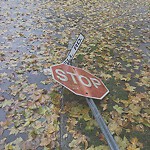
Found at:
(79, 81)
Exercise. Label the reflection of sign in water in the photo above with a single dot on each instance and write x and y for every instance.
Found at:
(74, 49)
(79, 81)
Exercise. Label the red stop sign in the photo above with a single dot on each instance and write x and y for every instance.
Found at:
(79, 81)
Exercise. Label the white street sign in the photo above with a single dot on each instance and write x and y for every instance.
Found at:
(74, 49)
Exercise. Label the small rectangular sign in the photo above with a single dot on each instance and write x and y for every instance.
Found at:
(74, 49)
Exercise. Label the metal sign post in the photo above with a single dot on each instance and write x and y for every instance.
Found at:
(109, 138)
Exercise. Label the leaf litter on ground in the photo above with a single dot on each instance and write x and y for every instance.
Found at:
(35, 35)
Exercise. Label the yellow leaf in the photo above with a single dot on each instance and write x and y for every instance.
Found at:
(51, 129)
(44, 142)
(132, 148)
(79, 138)
(122, 143)
(118, 109)
(115, 128)
(9, 147)
(72, 121)
(135, 108)
(129, 88)
(73, 143)
(134, 141)
(117, 76)
(100, 147)
(104, 106)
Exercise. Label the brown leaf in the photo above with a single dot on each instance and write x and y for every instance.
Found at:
(2, 98)
(44, 142)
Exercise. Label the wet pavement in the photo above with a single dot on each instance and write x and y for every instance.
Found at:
(36, 34)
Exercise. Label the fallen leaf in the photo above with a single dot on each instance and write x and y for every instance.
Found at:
(2, 98)
(129, 87)
(44, 142)
(135, 109)
(118, 109)
(6, 103)
(122, 143)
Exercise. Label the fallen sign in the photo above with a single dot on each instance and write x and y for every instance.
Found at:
(61, 74)
(79, 81)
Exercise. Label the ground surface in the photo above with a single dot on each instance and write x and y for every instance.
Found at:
(36, 34)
